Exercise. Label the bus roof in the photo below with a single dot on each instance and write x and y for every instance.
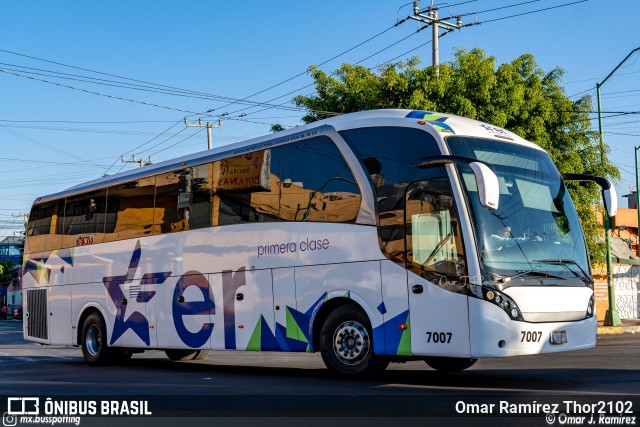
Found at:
(443, 124)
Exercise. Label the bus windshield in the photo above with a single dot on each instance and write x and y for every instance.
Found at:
(535, 232)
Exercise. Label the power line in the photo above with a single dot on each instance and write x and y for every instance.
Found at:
(40, 143)
(111, 83)
(532, 11)
(182, 140)
(98, 93)
(86, 122)
(506, 17)
(82, 163)
(499, 8)
(319, 65)
(81, 130)
(333, 73)
(257, 104)
(143, 144)
(103, 82)
(91, 71)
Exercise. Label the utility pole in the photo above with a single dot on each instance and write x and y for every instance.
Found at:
(431, 18)
(25, 217)
(141, 162)
(611, 317)
(208, 125)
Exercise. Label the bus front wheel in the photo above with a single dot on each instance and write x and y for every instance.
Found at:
(450, 364)
(346, 344)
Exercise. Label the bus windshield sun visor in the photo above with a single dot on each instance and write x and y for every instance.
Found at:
(486, 178)
(609, 194)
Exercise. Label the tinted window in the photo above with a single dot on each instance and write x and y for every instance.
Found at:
(130, 209)
(389, 154)
(41, 227)
(84, 215)
(40, 219)
(316, 183)
(246, 188)
(183, 199)
(305, 181)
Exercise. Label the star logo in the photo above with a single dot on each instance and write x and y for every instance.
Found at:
(136, 321)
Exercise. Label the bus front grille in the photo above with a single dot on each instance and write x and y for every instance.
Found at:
(37, 313)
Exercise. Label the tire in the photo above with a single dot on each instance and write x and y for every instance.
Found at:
(201, 354)
(95, 350)
(450, 364)
(346, 344)
(181, 355)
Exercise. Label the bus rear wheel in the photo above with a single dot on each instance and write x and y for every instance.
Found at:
(94, 342)
(180, 355)
(450, 364)
(346, 344)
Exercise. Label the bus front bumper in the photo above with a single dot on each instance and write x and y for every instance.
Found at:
(493, 334)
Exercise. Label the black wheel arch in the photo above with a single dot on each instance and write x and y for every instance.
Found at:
(88, 311)
(324, 312)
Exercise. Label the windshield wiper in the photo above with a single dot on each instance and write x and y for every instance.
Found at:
(585, 275)
(529, 273)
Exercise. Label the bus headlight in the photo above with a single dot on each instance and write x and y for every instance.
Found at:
(591, 307)
(504, 302)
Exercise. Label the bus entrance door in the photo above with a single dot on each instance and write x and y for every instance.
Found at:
(435, 263)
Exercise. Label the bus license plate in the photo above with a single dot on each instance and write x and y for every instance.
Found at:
(559, 337)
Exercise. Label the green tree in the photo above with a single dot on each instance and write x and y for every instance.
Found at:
(8, 272)
(518, 96)
(277, 127)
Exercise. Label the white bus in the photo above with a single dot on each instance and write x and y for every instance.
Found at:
(372, 237)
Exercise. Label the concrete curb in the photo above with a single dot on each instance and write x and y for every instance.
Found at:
(624, 329)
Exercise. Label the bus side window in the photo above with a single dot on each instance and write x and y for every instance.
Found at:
(84, 215)
(41, 228)
(246, 188)
(130, 209)
(183, 199)
(317, 184)
(40, 220)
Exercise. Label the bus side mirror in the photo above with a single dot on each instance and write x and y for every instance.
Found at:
(610, 200)
(488, 186)
(609, 195)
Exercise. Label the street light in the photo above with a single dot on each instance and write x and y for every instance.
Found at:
(611, 318)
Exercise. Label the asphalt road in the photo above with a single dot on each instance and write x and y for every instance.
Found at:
(275, 384)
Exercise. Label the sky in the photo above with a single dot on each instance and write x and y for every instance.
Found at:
(84, 83)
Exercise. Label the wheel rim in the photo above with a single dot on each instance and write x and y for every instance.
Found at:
(93, 340)
(351, 343)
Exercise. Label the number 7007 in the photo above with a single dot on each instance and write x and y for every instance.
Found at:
(439, 337)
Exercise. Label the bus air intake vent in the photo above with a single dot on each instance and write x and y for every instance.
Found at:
(37, 313)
